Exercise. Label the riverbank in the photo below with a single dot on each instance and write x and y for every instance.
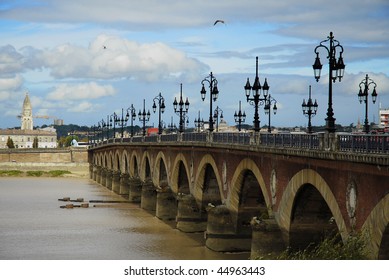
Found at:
(31, 169)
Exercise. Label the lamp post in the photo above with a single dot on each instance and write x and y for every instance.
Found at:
(131, 113)
(214, 92)
(121, 121)
(199, 123)
(182, 110)
(218, 112)
(240, 117)
(161, 110)
(171, 126)
(256, 100)
(144, 117)
(309, 109)
(363, 97)
(336, 71)
(112, 119)
(101, 126)
(107, 125)
(270, 100)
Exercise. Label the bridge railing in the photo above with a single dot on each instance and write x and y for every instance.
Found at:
(357, 143)
(364, 143)
(307, 141)
(232, 138)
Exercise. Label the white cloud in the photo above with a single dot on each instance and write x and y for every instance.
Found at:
(90, 90)
(11, 83)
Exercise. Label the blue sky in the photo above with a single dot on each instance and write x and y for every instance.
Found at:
(83, 60)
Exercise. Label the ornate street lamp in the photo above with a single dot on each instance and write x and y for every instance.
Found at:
(270, 100)
(240, 117)
(101, 126)
(131, 114)
(214, 93)
(309, 110)
(199, 123)
(122, 121)
(107, 126)
(182, 110)
(144, 117)
(363, 97)
(161, 110)
(112, 119)
(336, 71)
(218, 112)
(256, 100)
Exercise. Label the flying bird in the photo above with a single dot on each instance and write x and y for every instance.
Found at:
(219, 20)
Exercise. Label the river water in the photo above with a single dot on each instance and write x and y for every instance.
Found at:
(33, 226)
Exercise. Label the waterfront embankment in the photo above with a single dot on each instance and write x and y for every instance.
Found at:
(73, 162)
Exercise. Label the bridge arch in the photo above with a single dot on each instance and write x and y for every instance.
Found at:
(116, 163)
(160, 173)
(303, 178)
(145, 167)
(204, 185)
(237, 182)
(124, 163)
(180, 174)
(376, 228)
(134, 165)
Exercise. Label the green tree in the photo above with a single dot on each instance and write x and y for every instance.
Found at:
(35, 143)
(10, 143)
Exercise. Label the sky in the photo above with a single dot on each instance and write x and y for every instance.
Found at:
(84, 60)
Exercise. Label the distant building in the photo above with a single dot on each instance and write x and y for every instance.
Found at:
(24, 137)
(384, 117)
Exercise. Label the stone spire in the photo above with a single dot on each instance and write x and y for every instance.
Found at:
(27, 122)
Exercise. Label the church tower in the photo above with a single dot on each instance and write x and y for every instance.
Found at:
(27, 123)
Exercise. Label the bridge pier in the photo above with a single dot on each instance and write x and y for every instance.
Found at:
(124, 184)
(149, 196)
(91, 171)
(99, 170)
(135, 189)
(108, 179)
(116, 181)
(221, 231)
(166, 204)
(103, 176)
(190, 218)
(267, 241)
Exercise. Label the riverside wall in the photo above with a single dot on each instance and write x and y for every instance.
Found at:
(73, 159)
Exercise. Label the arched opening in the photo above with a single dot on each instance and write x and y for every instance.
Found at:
(311, 219)
(383, 253)
(126, 169)
(162, 173)
(211, 193)
(136, 169)
(183, 181)
(148, 170)
(251, 202)
(118, 163)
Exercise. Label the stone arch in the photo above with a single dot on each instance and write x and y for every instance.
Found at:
(236, 183)
(376, 228)
(134, 165)
(160, 164)
(124, 166)
(180, 160)
(106, 160)
(145, 167)
(300, 179)
(201, 176)
(116, 163)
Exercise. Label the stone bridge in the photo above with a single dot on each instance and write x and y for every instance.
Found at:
(255, 193)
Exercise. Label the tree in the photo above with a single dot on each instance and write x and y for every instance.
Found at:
(10, 143)
(35, 143)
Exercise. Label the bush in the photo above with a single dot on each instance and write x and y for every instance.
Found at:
(331, 249)
(10, 172)
(35, 173)
(58, 173)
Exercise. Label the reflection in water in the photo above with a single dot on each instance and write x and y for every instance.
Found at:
(33, 226)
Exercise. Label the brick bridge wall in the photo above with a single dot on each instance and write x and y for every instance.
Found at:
(298, 187)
